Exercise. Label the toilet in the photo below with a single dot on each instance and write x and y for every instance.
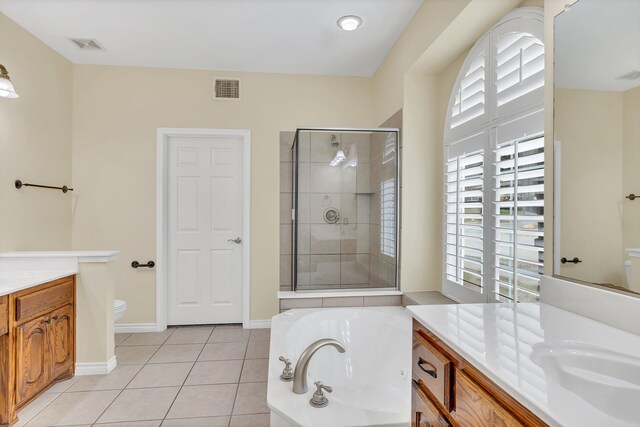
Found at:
(627, 272)
(119, 307)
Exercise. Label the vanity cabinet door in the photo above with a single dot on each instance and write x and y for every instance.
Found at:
(475, 407)
(33, 366)
(61, 341)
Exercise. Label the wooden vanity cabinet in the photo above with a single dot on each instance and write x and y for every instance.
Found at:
(39, 347)
(4, 315)
(449, 391)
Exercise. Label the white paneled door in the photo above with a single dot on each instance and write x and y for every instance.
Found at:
(205, 230)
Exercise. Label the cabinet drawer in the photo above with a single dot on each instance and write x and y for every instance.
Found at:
(42, 301)
(434, 369)
(425, 413)
(476, 407)
(4, 315)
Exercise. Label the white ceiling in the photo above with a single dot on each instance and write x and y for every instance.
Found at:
(279, 36)
(597, 41)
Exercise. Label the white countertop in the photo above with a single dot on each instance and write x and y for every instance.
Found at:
(23, 270)
(82, 256)
(11, 281)
(498, 339)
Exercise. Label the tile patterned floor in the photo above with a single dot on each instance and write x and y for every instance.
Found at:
(201, 376)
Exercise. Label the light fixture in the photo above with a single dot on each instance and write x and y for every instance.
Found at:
(349, 22)
(6, 87)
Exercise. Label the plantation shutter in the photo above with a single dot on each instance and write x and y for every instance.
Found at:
(465, 212)
(388, 217)
(469, 106)
(519, 68)
(494, 166)
(519, 219)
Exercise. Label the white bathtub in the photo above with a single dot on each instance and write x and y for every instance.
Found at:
(371, 381)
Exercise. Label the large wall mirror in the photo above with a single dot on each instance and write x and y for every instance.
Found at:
(597, 143)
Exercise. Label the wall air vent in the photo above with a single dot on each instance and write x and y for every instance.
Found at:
(226, 89)
(89, 44)
(631, 75)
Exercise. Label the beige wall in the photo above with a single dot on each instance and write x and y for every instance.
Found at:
(388, 82)
(589, 126)
(35, 143)
(116, 113)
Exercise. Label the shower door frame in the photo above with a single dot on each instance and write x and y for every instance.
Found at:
(294, 213)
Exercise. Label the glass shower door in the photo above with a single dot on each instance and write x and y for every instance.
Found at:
(345, 209)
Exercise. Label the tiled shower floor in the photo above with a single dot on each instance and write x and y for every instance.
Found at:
(183, 377)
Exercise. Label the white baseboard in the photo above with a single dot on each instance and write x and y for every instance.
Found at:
(127, 328)
(96, 368)
(257, 324)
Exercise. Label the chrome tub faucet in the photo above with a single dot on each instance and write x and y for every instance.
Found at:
(300, 373)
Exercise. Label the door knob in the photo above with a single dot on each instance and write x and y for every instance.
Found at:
(236, 240)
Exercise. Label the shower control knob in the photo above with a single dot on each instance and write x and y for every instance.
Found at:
(331, 215)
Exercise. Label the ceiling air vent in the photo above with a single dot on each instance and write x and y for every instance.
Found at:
(226, 89)
(89, 44)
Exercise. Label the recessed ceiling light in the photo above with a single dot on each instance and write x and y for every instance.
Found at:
(349, 22)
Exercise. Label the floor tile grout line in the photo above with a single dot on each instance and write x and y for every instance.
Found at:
(186, 378)
(43, 408)
(235, 398)
(161, 344)
(125, 387)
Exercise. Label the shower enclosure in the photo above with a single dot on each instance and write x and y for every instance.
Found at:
(345, 209)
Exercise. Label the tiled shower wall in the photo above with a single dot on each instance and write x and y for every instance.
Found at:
(347, 254)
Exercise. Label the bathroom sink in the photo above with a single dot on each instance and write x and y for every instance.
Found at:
(606, 379)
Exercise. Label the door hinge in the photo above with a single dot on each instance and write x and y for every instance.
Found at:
(293, 214)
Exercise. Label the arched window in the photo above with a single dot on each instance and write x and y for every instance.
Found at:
(494, 166)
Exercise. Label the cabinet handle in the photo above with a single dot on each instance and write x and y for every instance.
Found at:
(55, 318)
(431, 372)
(47, 321)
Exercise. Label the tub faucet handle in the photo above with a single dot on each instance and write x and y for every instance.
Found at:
(287, 373)
(319, 400)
